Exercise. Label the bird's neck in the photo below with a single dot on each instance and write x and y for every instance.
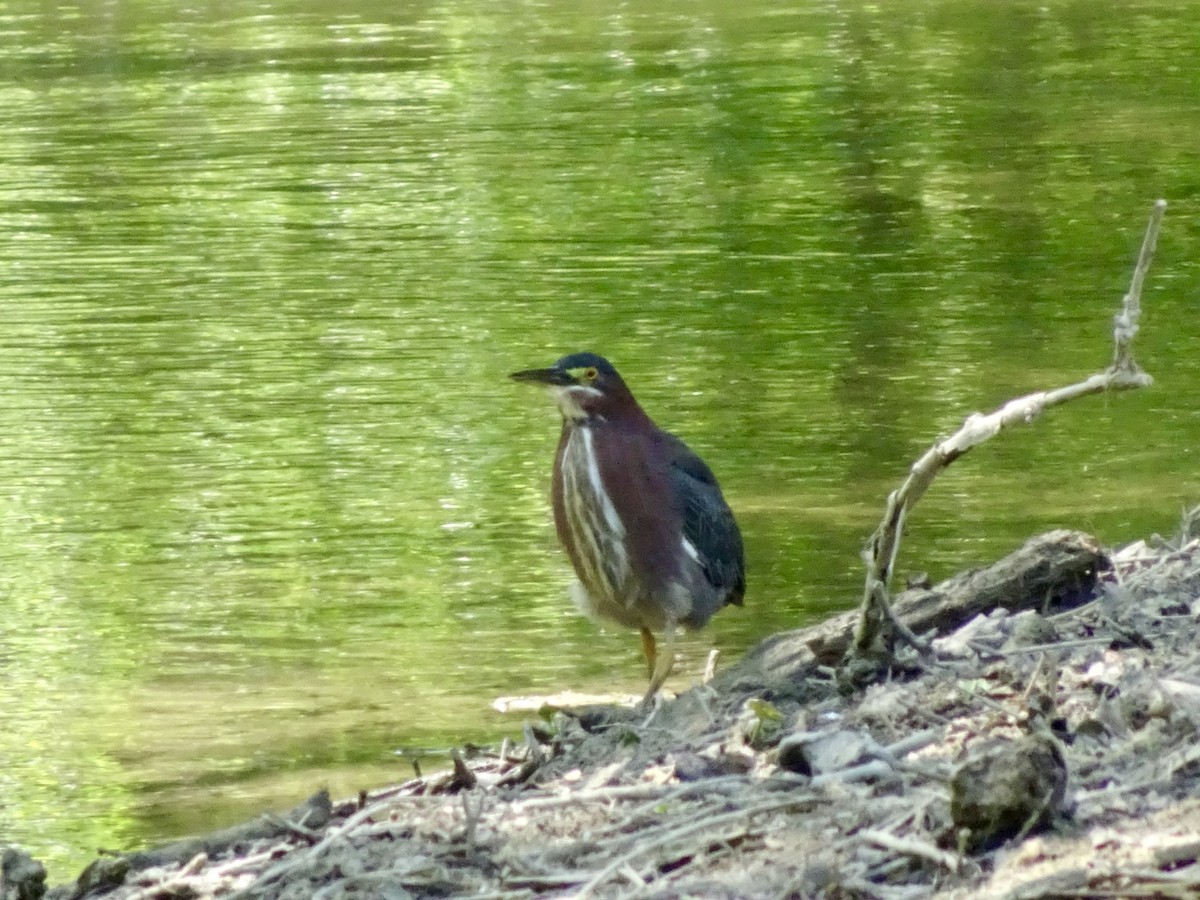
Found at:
(592, 418)
(582, 406)
(581, 419)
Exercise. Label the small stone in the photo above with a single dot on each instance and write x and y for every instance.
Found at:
(1009, 789)
(1030, 630)
(694, 767)
(102, 875)
(21, 876)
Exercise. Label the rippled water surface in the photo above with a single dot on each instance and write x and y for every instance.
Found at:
(270, 510)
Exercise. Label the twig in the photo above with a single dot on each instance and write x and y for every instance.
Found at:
(1188, 876)
(718, 786)
(548, 879)
(618, 792)
(297, 859)
(909, 847)
(192, 866)
(987, 701)
(242, 864)
(630, 874)
(1039, 648)
(1125, 323)
(407, 875)
(657, 793)
(876, 768)
(472, 813)
(888, 761)
(298, 829)
(673, 834)
(915, 742)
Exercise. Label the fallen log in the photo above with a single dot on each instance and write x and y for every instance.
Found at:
(1051, 572)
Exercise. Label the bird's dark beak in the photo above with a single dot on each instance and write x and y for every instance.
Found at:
(549, 376)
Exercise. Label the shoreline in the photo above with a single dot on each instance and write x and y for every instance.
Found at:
(1047, 745)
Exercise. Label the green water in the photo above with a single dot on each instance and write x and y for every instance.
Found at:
(270, 509)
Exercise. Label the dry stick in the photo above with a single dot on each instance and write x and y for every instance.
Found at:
(871, 635)
(659, 793)
(674, 834)
(888, 763)
(1038, 648)
(297, 858)
(404, 875)
(719, 786)
(630, 831)
(911, 847)
(915, 742)
(177, 880)
(243, 864)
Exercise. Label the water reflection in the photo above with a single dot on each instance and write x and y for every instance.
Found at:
(271, 509)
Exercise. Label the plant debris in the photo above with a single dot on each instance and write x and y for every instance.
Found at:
(1047, 746)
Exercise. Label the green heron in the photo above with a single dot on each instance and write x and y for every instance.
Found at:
(641, 516)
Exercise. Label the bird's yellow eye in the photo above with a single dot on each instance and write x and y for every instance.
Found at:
(590, 373)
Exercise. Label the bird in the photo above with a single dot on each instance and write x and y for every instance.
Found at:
(652, 540)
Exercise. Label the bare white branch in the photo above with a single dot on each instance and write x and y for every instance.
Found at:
(876, 631)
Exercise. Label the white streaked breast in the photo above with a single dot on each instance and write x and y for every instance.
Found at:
(606, 504)
(596, 527)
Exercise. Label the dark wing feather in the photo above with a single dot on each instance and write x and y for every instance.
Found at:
(708, 522)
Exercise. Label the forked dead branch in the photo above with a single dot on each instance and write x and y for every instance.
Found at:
(878, 627)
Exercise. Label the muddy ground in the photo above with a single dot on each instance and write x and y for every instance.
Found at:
(1046, 745)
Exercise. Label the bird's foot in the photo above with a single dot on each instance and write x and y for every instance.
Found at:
(651, 704)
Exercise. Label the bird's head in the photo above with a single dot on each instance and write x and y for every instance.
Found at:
(583, 385)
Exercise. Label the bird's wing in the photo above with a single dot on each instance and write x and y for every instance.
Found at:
(708, 523)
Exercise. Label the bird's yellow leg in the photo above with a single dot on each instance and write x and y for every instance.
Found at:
(663, 664)
(649, 649)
